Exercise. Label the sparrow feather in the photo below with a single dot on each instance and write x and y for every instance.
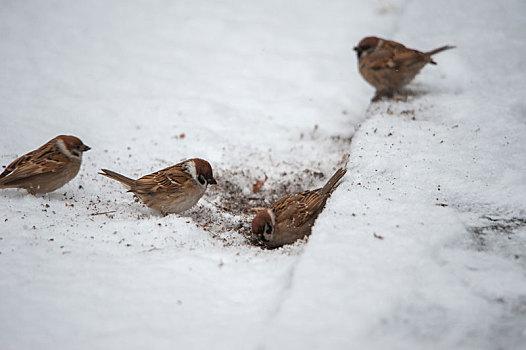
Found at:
(42, 160)
(171, 179)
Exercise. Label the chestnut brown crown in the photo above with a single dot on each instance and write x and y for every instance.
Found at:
(204, 172)
(367, 44)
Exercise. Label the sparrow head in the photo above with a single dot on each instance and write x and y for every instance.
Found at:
(203, 172)
(366, 45)
(263, 225)
(71, 146)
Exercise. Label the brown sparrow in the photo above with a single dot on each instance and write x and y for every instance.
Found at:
(292, 217)
(47, 168)
(389, 66)
(170, 190)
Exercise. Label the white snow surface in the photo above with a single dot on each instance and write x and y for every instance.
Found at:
(423, 246)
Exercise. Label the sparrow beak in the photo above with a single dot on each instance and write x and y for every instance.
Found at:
(358, 50)
(212, 181)
(85, 148)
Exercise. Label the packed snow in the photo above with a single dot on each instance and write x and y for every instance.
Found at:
(422, 246)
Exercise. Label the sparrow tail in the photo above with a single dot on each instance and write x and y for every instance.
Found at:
(333, 181)
(437, 50)
(126, 181)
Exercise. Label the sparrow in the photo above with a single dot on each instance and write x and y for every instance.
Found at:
(292, 217)
(171, 190)
(389, 66)
(47, 168)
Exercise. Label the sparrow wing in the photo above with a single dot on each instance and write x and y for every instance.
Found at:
(16, 163)
(403, 56)
(379, 59)
(297, 209)
(407, 58)
(394, 56)
(171, 179)
(45, 159)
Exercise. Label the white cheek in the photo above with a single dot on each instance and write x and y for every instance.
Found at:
(190, 169)
(66, 152)
(272, 217)
(62, 148)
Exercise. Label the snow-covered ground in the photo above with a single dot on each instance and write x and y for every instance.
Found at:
(422, 246)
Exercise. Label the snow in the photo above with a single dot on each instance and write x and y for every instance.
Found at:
(422, 246)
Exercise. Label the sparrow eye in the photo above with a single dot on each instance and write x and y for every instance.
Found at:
(201, 180)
